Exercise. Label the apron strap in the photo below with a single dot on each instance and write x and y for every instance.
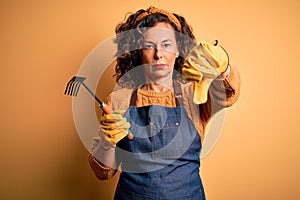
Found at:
(178, 93)
(133, 98)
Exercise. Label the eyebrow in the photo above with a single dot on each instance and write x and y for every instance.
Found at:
(166, 40)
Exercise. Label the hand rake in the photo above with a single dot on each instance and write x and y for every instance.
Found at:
(73, 87)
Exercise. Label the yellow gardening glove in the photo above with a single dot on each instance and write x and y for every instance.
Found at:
(202, 65)
(114, 127)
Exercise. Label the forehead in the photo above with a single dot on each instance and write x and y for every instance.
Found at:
(160, 32)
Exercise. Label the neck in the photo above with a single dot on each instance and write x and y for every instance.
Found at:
(160, 84)
(154, 87)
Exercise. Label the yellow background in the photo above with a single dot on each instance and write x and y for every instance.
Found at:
(43, 43)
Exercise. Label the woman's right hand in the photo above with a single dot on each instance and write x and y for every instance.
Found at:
(114, 127)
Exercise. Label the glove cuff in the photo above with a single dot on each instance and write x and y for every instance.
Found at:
(104, 143)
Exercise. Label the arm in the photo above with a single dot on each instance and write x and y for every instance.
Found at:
(224, 91)
(102, 157)
(107, 156)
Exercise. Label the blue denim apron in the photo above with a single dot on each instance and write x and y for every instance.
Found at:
(162, 161)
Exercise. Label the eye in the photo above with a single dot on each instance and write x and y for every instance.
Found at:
(167, 45)
(148, 46)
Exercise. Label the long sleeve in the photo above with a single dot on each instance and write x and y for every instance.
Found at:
(101, 171)
(223, 93)
(118, 100)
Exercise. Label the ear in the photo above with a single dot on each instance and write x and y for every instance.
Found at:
(177, 54)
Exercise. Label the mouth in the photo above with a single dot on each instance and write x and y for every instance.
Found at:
(159, 66)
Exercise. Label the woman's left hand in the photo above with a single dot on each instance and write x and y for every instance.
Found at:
(203, 64)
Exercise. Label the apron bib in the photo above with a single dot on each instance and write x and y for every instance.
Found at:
(162, 161)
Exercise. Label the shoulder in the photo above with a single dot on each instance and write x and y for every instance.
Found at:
(186, 92)
(186, 88)
(119, 99)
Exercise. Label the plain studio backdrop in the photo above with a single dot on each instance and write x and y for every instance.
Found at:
(44, 43)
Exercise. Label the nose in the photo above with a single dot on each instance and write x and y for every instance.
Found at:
(158, 53)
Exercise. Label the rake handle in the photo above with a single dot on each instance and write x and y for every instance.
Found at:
(106, 109)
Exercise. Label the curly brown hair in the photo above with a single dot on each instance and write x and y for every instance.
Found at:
(129, 40)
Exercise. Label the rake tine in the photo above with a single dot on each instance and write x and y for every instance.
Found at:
(78, 82)
(77, 87)
(67, 91)
(72, 88)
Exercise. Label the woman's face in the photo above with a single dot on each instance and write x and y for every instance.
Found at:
(159, 51)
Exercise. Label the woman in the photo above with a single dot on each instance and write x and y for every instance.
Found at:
(166, 112)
